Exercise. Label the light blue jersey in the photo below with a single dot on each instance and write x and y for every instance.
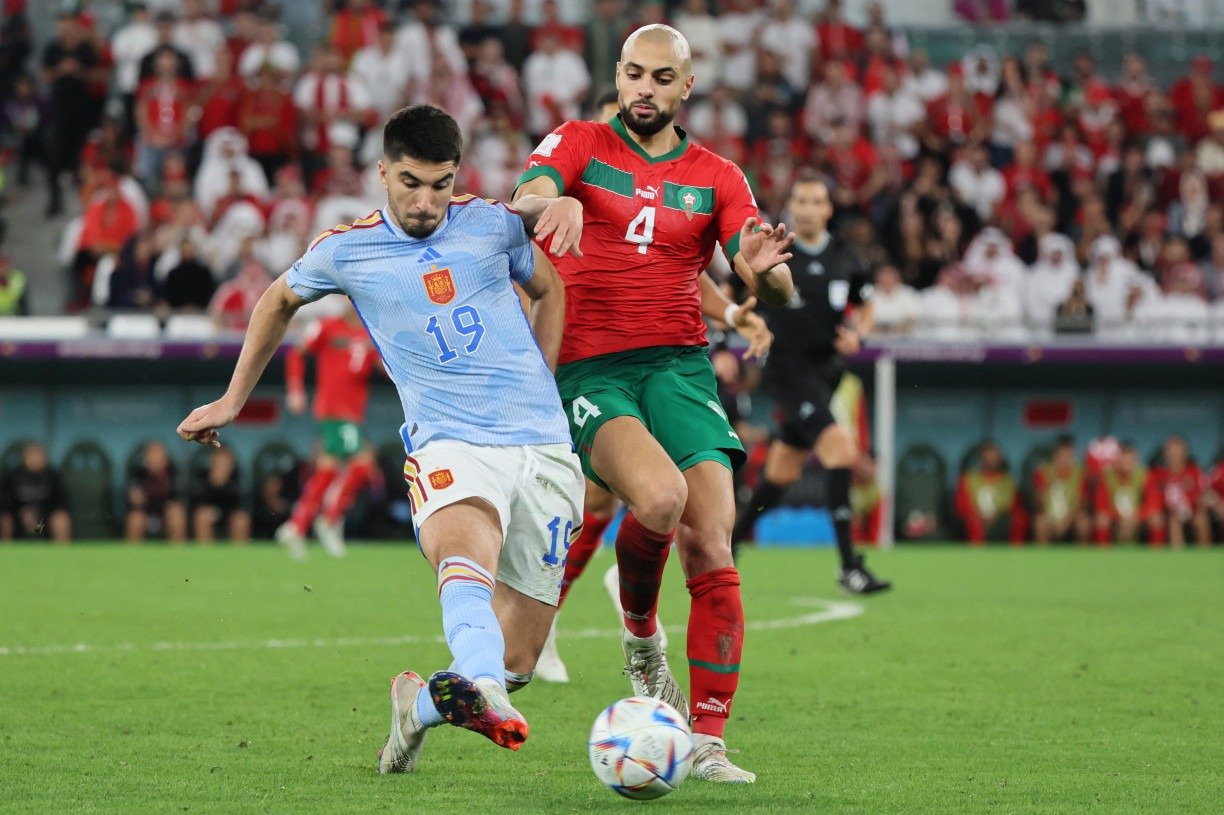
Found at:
(447, 322)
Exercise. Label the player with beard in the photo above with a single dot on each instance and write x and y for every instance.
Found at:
(634, 372)
(805, 368)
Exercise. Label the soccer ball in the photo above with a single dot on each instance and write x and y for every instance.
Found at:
(641, 748)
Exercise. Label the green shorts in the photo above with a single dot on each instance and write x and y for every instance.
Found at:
(669, 389)
(340, 438)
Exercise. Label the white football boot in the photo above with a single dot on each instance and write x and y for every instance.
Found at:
(549, 666)
(407, 733)
(710, 762)
(288, 537)
(330, 535)
(646, 667)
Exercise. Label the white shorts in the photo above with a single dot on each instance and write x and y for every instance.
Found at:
(537, 491)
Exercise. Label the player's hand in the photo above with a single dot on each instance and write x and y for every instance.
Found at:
(296, 402)
(749, 325)
(202, 424)
(764, 246)
(563, 220)
(848, 341)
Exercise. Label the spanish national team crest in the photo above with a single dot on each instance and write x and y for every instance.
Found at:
(439, 285)
(441, 479)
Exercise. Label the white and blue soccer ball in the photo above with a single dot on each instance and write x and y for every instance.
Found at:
(641, 748)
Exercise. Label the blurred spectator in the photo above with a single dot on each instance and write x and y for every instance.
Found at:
(605, 32)
(423, 38)
(929, 82)
(977, 183)
(895, 114)
(288, 235)
(1132, 93)
(987, 499)
(1213, 268)
(218, 97)
(244, 30)
(853, 163)
(1194, 97)
(500, 151)
(33, 502)
(958, 117)
(982, 12)
(129, 45)
(269, 49)
(570, 37)
(154, 507)
(199, 36)
(356, 26)
(161, 119)
(1060, 503)
(327, 101)
(130, 283)
(216, 502)
(1122, 498)
(1049, 281)
(189, 285)
(1075, 314)
(497, 83)
(14, 293)
(738, 24)
(838, 39)
(516, 35)
(836, 98)
(1179, 509)
(450, 89)
(895, 305)
(702, 30)
(235, 300)
(164, 24)
(790, 38)
(268, 119)
(109, 221)
(555, 79)
(478, 30)
(383, 72)
(225, 152)
(1209, 157)
(20, 114)
(719, 112)
(68, 61)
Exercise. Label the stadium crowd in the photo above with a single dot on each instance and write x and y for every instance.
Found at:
(994, 198)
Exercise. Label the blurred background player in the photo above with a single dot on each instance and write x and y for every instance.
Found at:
(804, 369)
(987, 499)
(480, 410)
(1123, 498)
(634, 371)
(601, 506)
(216, 502)
(1179, 492)
(33, 503)
(344, 358)
(1059, 497)
(154, 505)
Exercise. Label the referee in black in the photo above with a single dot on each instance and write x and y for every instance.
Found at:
(804, 367)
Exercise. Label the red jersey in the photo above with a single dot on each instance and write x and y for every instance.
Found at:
(649, 229)
(1179, 493)
(344, 357)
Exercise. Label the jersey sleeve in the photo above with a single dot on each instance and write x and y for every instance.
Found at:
(735, 205)
(314, 275)
(562, 156)
(518, 246)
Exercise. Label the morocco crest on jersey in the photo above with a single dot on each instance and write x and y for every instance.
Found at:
(439, 285)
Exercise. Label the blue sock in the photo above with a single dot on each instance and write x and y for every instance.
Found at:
(426, 712)
(465, 591)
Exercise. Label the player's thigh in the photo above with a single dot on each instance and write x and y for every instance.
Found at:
(684, 413)
(640, 472)
(455, 489)
(593, 395)
(545, 517)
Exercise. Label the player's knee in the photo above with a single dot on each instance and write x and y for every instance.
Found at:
(835, 448)
(517, 681)
(661, 507)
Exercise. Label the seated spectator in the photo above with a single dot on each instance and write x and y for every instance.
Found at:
(1179, 502)
(154, 507)
(1075, 314)
(189, 285)
(895, 114)
(837, 39)
(14, 294)
(325, 97)
(986, 499)
(235, 300)
(555, 79)
(269, 49)
(719, 110)
(268, 119)
(356, 26)
(383, 70)
(225, 152)
(895, 305)
(1048, 283)
(977, 183)
(1060, 510)
(958, 117)
(218, 97)
(107, 225)
(33, 503)
(1194, 97)
(837, 98)
(1122, 498)
(199, 36)
(216, 502)
(1209, 156)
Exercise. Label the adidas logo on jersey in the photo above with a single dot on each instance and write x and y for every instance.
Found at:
(429, 255)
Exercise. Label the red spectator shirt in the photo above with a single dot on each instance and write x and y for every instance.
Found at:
(164, 105)
(344, 357)
(1178, 493)
(649, 229)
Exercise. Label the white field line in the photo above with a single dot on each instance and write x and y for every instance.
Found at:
(831, 610)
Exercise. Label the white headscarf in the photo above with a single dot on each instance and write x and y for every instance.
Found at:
(225, 151)
(1049, 280)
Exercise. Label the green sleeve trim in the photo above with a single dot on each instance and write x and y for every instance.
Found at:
(536, 172)
(731, 249)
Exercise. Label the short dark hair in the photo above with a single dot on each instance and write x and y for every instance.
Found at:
(422, 132)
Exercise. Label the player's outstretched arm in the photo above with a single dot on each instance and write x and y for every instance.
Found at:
(268, 323)
(547, 311)
(746, 322)
(761, 260)
(546, 212)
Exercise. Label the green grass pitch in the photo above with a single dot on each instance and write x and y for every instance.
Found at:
(233, 680)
